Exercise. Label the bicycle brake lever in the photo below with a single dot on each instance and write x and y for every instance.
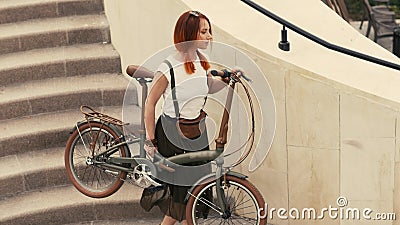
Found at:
(247, 79)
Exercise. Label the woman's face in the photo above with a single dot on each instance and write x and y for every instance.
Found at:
(204, 36)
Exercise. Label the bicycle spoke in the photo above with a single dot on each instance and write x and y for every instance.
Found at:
(241, 204)
(82, 139)
(99, 141)
(212, 221)
(230, 195)
(88, 140)
(78, 169)
(240, 193)
(243, 218)
(244, 214)
(105, 178)
(235, 207)
(80, 160)
(83, 176)
(98, 178)
(230, 221)
(94, 176)
(79, 151)
(81, 156)
(89, 175)
(209, 205)
(241, 221)
(246, 207)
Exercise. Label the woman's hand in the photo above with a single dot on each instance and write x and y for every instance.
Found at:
(150, 147)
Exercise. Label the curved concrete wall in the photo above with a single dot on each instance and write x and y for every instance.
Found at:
(337, 116)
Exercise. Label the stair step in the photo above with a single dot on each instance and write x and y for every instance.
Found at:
(53, 32)
(63, 205)
(46, 131)
(20, 10)
(141, 221)
(50, 95)
(62, 61)
(31, 171)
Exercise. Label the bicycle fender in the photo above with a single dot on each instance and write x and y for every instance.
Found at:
(78, 124)
(210, 176)
(113, 127)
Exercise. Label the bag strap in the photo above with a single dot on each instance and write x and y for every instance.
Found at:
(174, 100)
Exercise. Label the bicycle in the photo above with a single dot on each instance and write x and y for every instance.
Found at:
(98, 161)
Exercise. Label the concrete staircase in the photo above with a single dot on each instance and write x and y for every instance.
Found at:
(55, 55)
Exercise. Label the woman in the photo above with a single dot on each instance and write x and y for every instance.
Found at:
(193, 83)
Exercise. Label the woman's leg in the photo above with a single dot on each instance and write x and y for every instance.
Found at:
(184, 222)
(168, 221)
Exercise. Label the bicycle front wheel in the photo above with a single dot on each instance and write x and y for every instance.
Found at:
(244, 203)
(88, 177)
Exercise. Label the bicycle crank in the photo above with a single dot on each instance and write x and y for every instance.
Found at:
(141, 176)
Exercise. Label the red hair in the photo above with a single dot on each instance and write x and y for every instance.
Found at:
(186, 29)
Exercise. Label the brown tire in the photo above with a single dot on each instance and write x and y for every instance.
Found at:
(244, 203)
(90, 179)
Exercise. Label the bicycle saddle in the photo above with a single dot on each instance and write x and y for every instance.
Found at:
(139, 72)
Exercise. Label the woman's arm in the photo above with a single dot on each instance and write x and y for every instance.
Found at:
(158, 88)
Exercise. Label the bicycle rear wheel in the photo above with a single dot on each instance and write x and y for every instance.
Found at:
(244, 203)
(90, 178)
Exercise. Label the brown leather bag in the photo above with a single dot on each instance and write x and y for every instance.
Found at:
(192, 128)
(188, 128)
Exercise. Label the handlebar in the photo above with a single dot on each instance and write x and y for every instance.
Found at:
(222, 73)
(227, 73)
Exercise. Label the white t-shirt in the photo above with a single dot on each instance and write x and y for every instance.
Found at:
(191, 89)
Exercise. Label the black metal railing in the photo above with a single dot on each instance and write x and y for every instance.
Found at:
(320, 41)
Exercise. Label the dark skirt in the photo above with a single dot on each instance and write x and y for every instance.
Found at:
(170, 143)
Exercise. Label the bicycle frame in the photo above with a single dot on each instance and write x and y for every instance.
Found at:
(105, 159)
